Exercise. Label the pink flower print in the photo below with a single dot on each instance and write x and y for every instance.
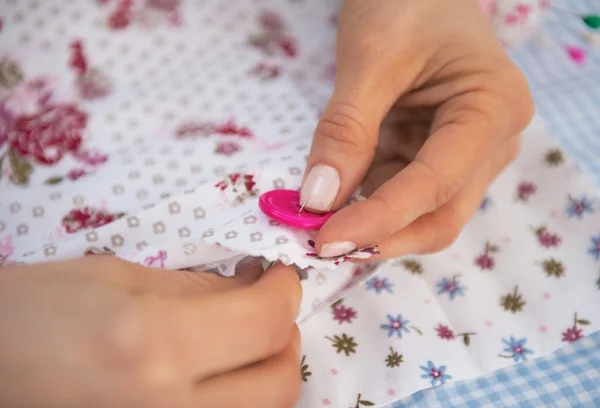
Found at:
(544, 4)
(511, 19)
(158, 260)
(227, 148)
(577, 54)
(6, 249)
(93, 84)
(523, 10)
(486, 261)
(75, 174)
(271, 21)
(86, 218)
(343, 314)
(546, 238)
(525, 190)
(574, 333)
(90, 157)
(444, 332)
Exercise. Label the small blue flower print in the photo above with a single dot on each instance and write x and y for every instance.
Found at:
(451, 286)
(396, 325)
(516, 348)
(594, 250)
(379, 285)
(485, 204)
(578, 208)
(437, 375)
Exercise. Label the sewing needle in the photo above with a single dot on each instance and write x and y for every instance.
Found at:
(305, 202)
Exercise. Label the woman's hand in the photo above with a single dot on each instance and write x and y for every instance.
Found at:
(426, 112)
(101, 332)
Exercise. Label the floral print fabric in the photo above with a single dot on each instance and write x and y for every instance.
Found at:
(151, 136)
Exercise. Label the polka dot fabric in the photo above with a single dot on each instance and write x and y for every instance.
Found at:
(148, 130)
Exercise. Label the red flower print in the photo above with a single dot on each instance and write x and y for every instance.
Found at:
(85, 218)
(168, 6)
(194, 129)
(271, 21)
(227, 148)
(93, 84)
(78, 61)
(343, 314)
(572, 334)
(525, 190)
(288, 46)
(242, 184)
(229, 128)
(75, 174)
(265, 71)
(485, 260)
(90, 157)
(444, 332)
(121, 17)
(50, 134)
(546, 238)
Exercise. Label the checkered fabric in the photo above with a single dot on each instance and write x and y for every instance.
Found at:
(569, 377)
(567, 95)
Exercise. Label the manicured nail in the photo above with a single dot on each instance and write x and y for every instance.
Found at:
(321, 187)
(336, 249)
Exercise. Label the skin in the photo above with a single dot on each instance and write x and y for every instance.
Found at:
(427, 111)
(101, 332)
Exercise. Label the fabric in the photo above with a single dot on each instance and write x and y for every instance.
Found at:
(567, 378)
(152, 134)
(567, 93)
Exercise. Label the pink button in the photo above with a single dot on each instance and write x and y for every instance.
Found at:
(283, 206)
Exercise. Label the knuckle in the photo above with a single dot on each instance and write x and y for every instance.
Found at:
(444, 187)
(520, 101)
(344, 124)
(267, 323)
(134, 344)
(445, 234)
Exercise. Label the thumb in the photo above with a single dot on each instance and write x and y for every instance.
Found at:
(347, 134)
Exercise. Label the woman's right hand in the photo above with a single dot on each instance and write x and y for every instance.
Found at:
(101, 332)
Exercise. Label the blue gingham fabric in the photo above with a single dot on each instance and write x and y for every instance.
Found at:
(568, 378)
(567, 97)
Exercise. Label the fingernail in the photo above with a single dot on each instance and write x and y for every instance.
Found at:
(321, 187)
(336, 249)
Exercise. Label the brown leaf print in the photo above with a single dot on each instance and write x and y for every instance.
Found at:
(411, 265)
(362, 403)
(304, 370)
(343, 344)
(394, 359)
(513, 302)
(553, 268)
(554, 157)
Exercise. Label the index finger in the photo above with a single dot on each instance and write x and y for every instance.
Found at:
(224, 331)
